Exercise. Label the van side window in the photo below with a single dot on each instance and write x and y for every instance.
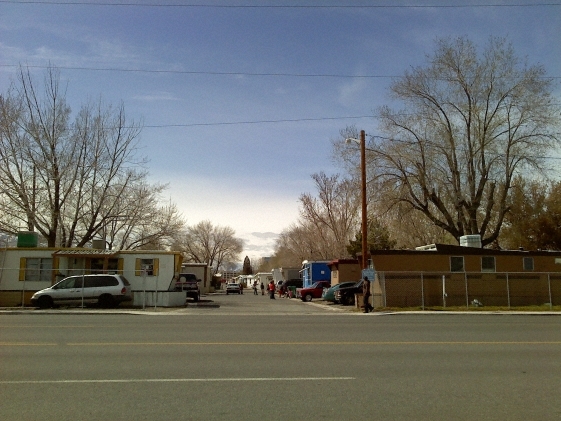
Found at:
(109, 281)
(90, 282)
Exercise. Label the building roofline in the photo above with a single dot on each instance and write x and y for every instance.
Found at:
(447, 249)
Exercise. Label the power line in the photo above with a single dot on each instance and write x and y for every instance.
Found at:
(283, 6)
(201, 72)
(217, 73)
(228, 123)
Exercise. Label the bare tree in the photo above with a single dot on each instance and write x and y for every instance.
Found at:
(411, 228)
(299, 242)
(470, 123)
(214, 245)
(333, 212)
(69, 180)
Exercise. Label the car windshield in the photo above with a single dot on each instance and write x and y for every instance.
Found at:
(68, 283)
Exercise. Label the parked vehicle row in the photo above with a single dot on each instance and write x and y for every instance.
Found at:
(109, 290)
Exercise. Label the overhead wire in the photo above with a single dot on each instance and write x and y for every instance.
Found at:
(281, 6)
(255, 74)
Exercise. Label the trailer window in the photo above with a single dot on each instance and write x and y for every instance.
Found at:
(38, 269)
(488, 264)
(456, 263)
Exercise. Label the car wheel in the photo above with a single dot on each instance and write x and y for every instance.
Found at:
(307, 297)
(105, 301)
(196, 298)
(349, 300)
(45, 302)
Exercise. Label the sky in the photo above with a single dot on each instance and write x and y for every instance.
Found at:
(241, 100)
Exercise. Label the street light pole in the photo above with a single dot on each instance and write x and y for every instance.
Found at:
(363, 191)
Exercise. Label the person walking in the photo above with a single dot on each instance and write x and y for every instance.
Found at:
(262, 288)
(272, 290)
(366, 295)
(254, 287)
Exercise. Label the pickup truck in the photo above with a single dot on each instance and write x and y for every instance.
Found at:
(189, 283)
(315, 291)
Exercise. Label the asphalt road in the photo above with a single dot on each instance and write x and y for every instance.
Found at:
(260, 359)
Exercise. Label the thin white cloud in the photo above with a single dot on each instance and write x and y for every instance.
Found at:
(156, 96)
(351, 92)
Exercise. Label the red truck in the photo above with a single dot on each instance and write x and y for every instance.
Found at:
(315, 291)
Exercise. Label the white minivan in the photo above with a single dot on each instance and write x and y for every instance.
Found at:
(103, 289)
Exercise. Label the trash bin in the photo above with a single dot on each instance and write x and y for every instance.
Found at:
(291, 292)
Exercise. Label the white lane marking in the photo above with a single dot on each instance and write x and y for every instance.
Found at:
(248, 379)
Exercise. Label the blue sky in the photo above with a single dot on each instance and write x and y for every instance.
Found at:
(240, 104)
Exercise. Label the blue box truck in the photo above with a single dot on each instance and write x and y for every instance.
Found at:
(313, 271)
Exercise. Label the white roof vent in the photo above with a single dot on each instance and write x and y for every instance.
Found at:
(427, 247)
(473, 240)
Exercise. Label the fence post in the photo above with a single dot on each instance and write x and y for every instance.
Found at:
(422, 292)
(467, 295)
(507, 291)
(23, 292)
(549, 288)
(382, 278)
(444, 291)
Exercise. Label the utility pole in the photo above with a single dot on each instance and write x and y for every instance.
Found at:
(364, 210)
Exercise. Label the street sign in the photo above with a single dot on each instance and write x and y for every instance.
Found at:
(370, 273)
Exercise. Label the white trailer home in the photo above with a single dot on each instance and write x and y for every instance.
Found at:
(284, 274)
(263, 277)
(25, 270)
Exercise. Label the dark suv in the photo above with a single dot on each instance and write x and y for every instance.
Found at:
(189, 283)
(346, 296)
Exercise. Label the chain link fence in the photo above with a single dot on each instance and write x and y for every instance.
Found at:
(446, 289)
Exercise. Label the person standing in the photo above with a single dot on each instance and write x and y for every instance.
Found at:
(254, 287)
(262, 288)
(366, 295)
(272, 290)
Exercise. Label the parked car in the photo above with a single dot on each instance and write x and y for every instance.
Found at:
(189, 283)
(102, 289)
(233, 288)
(315, 291)
(346, 296)
(329, 294)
